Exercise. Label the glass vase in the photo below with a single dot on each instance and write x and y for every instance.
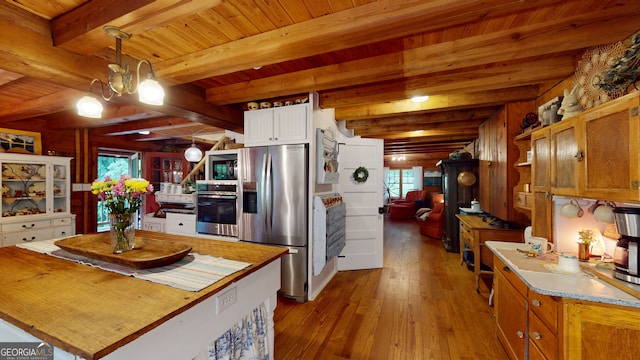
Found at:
(122, 232)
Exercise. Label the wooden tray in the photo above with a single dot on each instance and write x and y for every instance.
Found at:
(147, 253)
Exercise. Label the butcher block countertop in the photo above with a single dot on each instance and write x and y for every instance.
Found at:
(91, 312)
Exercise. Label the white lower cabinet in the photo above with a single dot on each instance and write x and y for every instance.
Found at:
(181, 224)
(37, 230)
(152, 223)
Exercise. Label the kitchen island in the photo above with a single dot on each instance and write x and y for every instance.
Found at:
(94, 313)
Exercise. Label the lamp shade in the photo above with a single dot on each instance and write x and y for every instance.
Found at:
(89, 106)
(193, 154)
(151, 92)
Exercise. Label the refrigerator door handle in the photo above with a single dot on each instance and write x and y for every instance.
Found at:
(263, 190)
(268, 193)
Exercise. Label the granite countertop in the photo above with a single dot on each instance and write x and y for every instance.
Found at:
(540, 275)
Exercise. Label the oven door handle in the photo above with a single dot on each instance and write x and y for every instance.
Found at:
(224, 197)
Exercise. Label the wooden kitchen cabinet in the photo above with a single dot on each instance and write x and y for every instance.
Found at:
(510, 310)
(565, 157)
(281, 125)
(542, 326)
(600, 331)
(527, 322)
(541, 217)
(474, 232)
(594, 154)
(610, 137)
(497, 154)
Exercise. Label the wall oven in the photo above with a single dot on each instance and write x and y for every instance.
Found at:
(217, 208)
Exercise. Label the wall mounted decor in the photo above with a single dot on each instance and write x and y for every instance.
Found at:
(21, 142)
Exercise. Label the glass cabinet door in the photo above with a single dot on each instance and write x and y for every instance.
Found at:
(60, 185)
(24, 189)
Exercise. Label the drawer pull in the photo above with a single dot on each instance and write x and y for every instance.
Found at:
(536, 302)
(520, 334)
(28, 240)
(24, 226)
(536, 335)
(180, 224)
(506, 269)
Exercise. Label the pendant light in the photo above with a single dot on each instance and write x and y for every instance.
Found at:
(193, 153)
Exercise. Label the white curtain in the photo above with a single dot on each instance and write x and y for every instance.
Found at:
(418, 178)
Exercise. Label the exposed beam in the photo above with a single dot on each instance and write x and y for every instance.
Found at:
(423, 119)
(364, 24)
(429, 129)
(473, 79)
(59, 101)
(567, 33)
(438, 102)
(81, 30)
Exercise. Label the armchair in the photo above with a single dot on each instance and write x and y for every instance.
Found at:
(406, 208)
(433, 226)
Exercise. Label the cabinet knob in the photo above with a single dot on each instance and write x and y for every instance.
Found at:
(506, 269)
(579, 155)
(536, 302)
(180, 224)
(536, 335)
(520, 334)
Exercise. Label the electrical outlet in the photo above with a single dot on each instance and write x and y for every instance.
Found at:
(226, 299)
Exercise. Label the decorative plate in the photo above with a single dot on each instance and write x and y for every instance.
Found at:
(592, 66)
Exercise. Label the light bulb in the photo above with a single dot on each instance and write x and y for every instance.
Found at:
(89, 106)
(151, 92)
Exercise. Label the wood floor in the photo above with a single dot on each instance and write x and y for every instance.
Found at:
(421, 305)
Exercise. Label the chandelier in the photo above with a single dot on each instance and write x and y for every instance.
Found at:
(120, 82)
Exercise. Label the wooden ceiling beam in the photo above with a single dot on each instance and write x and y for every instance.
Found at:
(363, 24)
(80, 30)
(438, 102)
(423, 119)
(473, 79)
(429, 129)
(564, 34)
(133, 126)
(59, 101)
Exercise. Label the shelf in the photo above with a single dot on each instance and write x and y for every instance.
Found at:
(526, 133)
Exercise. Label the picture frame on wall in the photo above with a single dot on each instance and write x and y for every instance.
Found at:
(20, 142)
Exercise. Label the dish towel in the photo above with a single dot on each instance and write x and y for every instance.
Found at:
(193, 273)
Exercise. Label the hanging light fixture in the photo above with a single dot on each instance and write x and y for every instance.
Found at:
(120, 82)
(192, 153)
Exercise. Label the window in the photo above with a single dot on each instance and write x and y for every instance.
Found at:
(398, 183)
(113, 165)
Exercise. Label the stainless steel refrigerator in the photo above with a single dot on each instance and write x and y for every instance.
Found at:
(273, 202)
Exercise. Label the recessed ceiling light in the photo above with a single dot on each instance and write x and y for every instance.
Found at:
(257, 67)
(144, 132)
(418, 99)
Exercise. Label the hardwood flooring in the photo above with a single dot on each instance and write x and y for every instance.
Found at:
(421, 305)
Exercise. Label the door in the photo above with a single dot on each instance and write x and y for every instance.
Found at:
(364, 224)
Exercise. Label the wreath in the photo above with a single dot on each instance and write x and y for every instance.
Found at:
(361, 174)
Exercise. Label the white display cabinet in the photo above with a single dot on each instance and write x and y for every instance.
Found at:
(35, 198)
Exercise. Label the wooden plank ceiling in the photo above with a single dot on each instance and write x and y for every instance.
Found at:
(364, 58)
